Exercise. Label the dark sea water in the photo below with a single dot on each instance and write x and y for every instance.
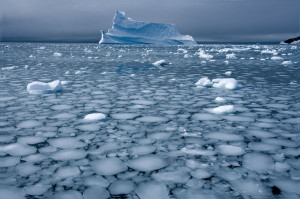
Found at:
(162, 135)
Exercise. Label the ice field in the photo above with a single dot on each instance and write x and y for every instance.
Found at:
(149, 122)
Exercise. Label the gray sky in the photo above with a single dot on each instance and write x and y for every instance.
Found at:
(205, 20)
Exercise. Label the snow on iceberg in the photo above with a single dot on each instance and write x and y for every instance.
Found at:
(42, 87)
(129, 31)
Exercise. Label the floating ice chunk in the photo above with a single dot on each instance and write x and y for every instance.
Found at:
(181, 50)
(68, 154)
(143, 102)
(286, 63)
(95, 192)
(223, 109)
(108, 166)
(142, 149)
(228, 73)
(67, 195)
(172, 176)
(203, 62)
(202, 54)
(151, 190)
(96, 180)
(66, 172)
(31, 139)
(258, 162)
(261, 146)
(9, 161)
(37, 189)
(231, 56)
(17, 149)
(205, 82)
(148, 163)
(227, 83)
(202, 152)
(7, 192)
(160, 63)
(200, 173)
(226, 62)
(121, 187)
(94, 117)
(66, 142)
(261, 134)
(205, 117)
(27, 169)
(187, 56)
(220, 99)
(151, 119)
(276, 58)
(274, 52)
(224, 136)
(287, 185)
(34, 158)
(250, 188)
(67, 73)
(64, 83)
(123, 116)
(27, 67)
(28, 124)
(282, 166)
(56, 54)
(80, 72)
(10, 68)
(230, 150)
(42, 88)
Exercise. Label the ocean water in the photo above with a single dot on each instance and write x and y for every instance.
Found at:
(156, 134)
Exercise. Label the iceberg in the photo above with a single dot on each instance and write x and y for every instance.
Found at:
(128, 31)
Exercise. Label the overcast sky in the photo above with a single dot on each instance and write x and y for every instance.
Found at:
(205, 20)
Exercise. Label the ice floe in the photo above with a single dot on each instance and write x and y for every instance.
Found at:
(42, 88)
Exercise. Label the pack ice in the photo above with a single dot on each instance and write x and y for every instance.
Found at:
(129, 31)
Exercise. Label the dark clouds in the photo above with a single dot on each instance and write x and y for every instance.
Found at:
(205, 20)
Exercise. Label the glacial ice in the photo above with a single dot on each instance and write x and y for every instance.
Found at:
(227, 83)
(223, 109)
(129, 31)
(94, 117)
(205, 82)
(42, 88)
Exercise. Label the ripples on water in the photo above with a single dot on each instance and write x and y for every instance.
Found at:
(158, 133)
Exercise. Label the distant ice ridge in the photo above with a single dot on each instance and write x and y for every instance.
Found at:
(129, 31)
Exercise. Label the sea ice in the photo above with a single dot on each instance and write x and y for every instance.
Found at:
(27, 169)
(37, 189)
(80, 72)
(202, 54)
(227, 83)
(151, 119)
(231, 56)
(108, 166)
(69, 154)
(56, 54)
(258, 162)
(42, 88)
(66, 172)
(7, 192)
(121, 187)
(200, 173)
(172, 176)
(95, 192)
(10, 68)
(18, 149)
(148, 163)
(228, 73)
(286, 63)
(220, 99)
(9, 161)
(151, 190)
(94, 117)
(223, 109)
(205, 82)
(123, 116)
(276, 58)
(230, 150)
(71, 194)
(66, 142)
(160, 63)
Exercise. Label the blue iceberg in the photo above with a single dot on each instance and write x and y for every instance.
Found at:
(129, 31)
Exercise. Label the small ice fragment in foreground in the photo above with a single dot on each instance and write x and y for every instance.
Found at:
(148, 163)
(121, 187)
(27, 67)
(160, 63)
(228, 73)
(276, 58)
(203, 55)
(226, 62)
(10, 68)
(230, 150)
(251, 188)
(223, 109)
(220, 99)
(37, 189)
(108, 166)
(286, 63)
(56, 54)
(227, 83)
(258, 162)
(151, 190)
(95, 192)
(80, 72)
(67, 73)
(9, 161)
(94, 117)
(205, 82)
(7, 192)
(42, 88)
(231, 56)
